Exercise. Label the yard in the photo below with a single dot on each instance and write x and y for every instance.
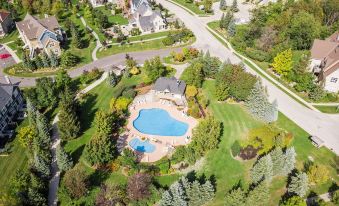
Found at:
(113, 19)
(194, 9)
(229, 171)
(328, 109)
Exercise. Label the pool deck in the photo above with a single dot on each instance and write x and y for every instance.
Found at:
(162, 142)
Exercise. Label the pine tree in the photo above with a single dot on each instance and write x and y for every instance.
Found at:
(227, 19)
(195, 197)
(68, 125)
(76, 40)
(112, 79)
(64, 161)
(231, 28)
(38, 62)
(43, 139)
(45, 60)
(290, 160)
(259, 196)
(31, 113)
(223, 5)
(100, 149)
(54, 60)
(278, 160)
(166, 199)
(234, 6)
(259, 106)
(221, 22)
(179, 197)
(236, 197)
(207, 191)
(262, 170)
(298, 184)
(28, 63)
(42, 167)
(186, 186)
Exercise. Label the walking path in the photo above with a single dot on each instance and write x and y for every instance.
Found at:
(99, 45)
(54, 182)
(139, 41)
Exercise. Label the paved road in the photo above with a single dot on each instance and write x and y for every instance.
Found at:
(104, 63)
(324, 126)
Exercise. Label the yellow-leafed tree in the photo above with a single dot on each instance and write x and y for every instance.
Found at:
(282, 63)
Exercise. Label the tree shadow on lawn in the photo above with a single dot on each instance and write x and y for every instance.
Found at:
(98, 177)
(87, 112)
(77, 154)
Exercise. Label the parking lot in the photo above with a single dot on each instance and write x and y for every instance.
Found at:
(6, 60)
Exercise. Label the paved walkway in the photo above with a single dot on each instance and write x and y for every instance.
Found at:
(322, 125)
(99, 45)
(54, 182)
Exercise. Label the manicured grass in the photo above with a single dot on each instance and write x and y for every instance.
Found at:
(190, 6)
(149, 36)
(328, 109)
(16, 160)
(113, 19)
(142, 46)
(228, 171)
(10, 37)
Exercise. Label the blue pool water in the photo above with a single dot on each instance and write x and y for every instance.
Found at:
(159, 122)
(142, 146)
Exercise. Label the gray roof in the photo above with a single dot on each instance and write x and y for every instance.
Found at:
(147, 22)
(172, 84)
(6, 92)
(33, 27)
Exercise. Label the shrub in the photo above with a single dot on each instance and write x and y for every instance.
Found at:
(194, 111)
(88, 77)
(179, 57)
(235, 148)
(318, 174)
(168, 41)
(248, 152)
(317, 93)
(135, 32)
(164, 166)
(257, 54)
(129, 93)
(134, 71)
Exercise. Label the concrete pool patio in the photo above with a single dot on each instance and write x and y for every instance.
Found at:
(162, 143)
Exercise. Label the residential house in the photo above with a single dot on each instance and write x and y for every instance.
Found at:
(170, 89)
(96, 3)
(11, 102)
(145, 18)
(6, 22)
(41, 35)
(325, 61)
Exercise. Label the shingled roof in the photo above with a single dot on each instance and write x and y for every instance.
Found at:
(6, 92)
(33, 27)
(3, 15)
(172, 85)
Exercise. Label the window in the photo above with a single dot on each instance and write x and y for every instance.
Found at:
(334, 80)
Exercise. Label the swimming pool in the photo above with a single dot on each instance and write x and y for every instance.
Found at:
(142, 146)
(158, 122)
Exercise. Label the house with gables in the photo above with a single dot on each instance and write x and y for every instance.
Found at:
(325, 62)
(41, 35)
(6, 22)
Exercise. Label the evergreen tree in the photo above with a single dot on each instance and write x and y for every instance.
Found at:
(54, 60)
(45, 60)
(235, 197)
(63, 160)
(68, 125)
(290, 160)
(68, 59)
(63, 80)
(43, 139)
(262, 170)
(207, 191)
(42, 167)
(234, 6)
(231, 28)
(259, 106)
(38, 62)
(227, 19)
(195, 197)
(223, 5)
(100, 149)
(259, 196)
(28, 63)
(76, 40)
(278, 160)
(112, 79)
(166, 199)
(221, 22)
(298, 184)
(179, 197)
(31, 113)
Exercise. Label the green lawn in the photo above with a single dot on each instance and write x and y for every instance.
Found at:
(190, 6)
(236, 122)
(142, 46)
(328, 109)
(113, 19)
(149, 36)
(17, 159)
(10, 37)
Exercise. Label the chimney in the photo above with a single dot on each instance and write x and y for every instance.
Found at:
(8, 80)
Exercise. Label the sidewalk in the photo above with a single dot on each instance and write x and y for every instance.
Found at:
(99, 45)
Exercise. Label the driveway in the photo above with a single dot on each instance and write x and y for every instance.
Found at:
(7, 62)
(325, 126)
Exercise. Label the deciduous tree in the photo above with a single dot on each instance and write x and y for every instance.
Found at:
(282, 63)
(138, 186)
